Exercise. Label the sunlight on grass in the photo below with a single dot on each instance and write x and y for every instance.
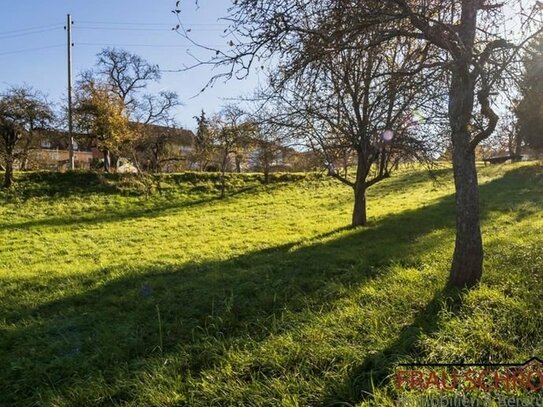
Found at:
(265, 298)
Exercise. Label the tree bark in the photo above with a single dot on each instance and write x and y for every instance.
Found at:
(224, 163)
(266, 165)
(107, 161)
(8, 175)
(359, 211)
(223, 185)
(467, 264)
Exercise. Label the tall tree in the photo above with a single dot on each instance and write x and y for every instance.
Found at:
(23, 111)
(125, 73)
(127, 76)
(468, 35)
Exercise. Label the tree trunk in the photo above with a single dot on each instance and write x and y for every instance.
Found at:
(266, 170)
(359, 211)
(8, 175)
(156, 159)
(107, 161)
(517, 149)
(223, 184)
(24, 163)
(467, 264)
(223, 174)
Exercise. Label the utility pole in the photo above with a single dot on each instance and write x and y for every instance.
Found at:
(70, 72)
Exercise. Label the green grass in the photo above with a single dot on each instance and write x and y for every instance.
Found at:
(262, 299)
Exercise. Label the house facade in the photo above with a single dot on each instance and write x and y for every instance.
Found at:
(159, 148)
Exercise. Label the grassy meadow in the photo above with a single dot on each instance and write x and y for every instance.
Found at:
(266, 298)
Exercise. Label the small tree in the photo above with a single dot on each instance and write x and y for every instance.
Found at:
(203, 143)
(101, 114)
(157, 146)
(270, 139)
(269, 145)
(229, 131)
(22, 111)
(357, 106)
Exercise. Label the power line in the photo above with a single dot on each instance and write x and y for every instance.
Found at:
(96, 44)
(123, 23)
(31, 49)
(3, 37)
(124, 29)
(146, 29)
(145, 24)
(31, 28)
(53, 27)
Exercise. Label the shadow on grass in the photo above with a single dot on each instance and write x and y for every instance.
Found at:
(113, 324)
(378, 369)
(508, 193)
(107, 333)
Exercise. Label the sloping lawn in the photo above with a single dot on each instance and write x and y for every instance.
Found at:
(262, 299)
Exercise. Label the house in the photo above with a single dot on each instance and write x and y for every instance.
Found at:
(164, 149)
(50, 150)
(158, 148)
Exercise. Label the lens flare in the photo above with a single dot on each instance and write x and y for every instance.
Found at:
(387, 136)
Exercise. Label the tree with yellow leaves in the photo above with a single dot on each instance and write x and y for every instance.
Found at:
(101, 114)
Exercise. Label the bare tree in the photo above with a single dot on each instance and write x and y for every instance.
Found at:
(357, 103)
(157, 109)
(155, 128)
(22, 111)
(127, 75)
(229, 129)
(271, 138)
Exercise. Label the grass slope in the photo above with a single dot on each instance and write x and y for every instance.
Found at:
(263, 299)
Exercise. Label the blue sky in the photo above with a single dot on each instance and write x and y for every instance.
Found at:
(33, 45)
